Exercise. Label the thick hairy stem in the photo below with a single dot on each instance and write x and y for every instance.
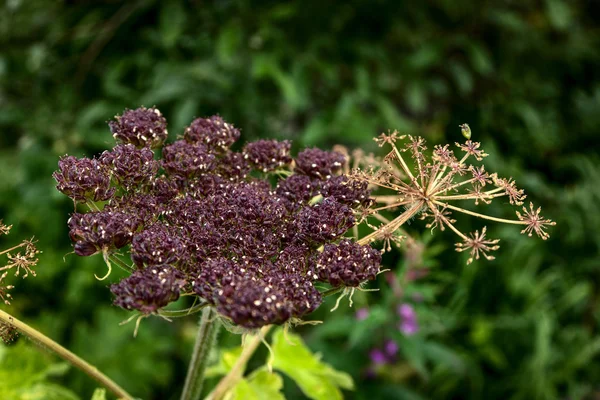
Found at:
(237, 371)
(44, 341)
(205, 340)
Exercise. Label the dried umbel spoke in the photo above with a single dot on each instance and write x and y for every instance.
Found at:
(429, 186)
(535, 222)
(20, 260)
(249, 233)
(477, 244)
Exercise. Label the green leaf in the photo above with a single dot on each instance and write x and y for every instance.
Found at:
(25, 374)
(172, 20)
(316, 379)
(227, 359)
(262, 385)
(99, 394)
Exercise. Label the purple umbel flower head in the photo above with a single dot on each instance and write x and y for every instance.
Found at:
(208, 220)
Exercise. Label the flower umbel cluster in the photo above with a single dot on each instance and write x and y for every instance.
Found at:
(247, 232)
(431, 186)
(20, 263)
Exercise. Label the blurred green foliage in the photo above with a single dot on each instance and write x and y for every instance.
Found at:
(26, 374)
(525, 75)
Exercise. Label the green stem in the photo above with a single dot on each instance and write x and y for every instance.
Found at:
(205, 340)
(40, 339)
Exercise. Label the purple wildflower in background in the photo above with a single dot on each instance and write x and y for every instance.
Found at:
(390, 348)
(362, 314)
(378, 357)
(221, 225)
(408, 319)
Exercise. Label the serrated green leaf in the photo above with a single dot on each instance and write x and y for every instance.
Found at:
(316, 379)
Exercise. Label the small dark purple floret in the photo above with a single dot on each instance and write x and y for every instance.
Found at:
(268, 155)
(297, 190)
(348, 263)
(214, 133)
(318, 163)
(149, 289)
(83, 179)
(163, 189)
(233, 166)
(253, 304)
(187, 160)
(157, 245)
(129, 165)
(143, 208)
(97, 231)
(142, 127)
(347, 191)
(324, 221)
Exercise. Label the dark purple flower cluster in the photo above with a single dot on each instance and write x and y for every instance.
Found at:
(83, 179)
(318, 163)
(348, 263)
(143, 127)
(129, 165)
(100, 231)
(213, 132)
(150, 289)
(216, 223)
(268, 155)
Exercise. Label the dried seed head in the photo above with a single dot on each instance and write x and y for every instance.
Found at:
(477, 244)
(535, 222)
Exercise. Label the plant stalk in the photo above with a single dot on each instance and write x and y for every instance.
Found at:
(205, 340)
(237, 371)
(42, 340)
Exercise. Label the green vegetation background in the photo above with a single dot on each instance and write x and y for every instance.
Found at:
(524, 74)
